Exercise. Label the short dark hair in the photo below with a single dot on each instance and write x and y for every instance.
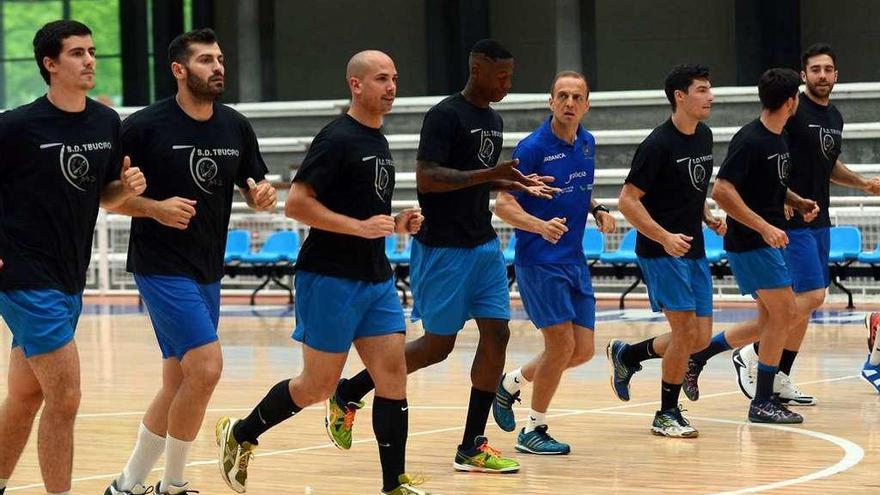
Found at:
(178, 50)
(681, 77)
(817, 49)
(569, 73)
(491, 49)
(50, 38)
(776, 86)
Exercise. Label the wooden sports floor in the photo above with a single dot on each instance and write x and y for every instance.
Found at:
(836, 451)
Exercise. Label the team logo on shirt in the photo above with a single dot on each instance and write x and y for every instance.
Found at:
(699, 168)
(783, 166)
(553, 158)
(74, 164)
(488, 146)
(203, 167)
(827, 141)
(383, 175)
(586, 150)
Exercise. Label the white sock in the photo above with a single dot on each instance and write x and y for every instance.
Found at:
(536, 419)
(147, 450)
(176, 452)
(875, 353)
(514, 381)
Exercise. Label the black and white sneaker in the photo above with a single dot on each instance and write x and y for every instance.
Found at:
(745, 363)
(690, 385)
(772, 411)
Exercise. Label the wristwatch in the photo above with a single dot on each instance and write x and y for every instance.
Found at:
(600, 207)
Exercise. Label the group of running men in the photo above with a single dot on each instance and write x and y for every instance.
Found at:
(173, 166)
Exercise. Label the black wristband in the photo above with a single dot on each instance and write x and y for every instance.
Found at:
(600, 207)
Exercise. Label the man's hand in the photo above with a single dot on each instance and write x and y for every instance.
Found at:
(553, 229)
(774, 237)
(133, 181)
(717, 224)
(677, 245)
(408, 221)
(263, 195)
(174, 212)
(507, 171)
(542, 190)
(376, 226)
(873, 187)
(809, 209)
(605, 222)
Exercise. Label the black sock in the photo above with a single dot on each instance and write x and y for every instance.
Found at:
(669, 393)
(355, 388)
(477, 415)
(764, 387)
(275, 407)
(636, 353)
(786, 361)
(390, 425)
(717, 345)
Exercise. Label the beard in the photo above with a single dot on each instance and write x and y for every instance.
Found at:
(203, 89)
(820, 91)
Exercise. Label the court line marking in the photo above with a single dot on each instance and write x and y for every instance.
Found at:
(853, 453)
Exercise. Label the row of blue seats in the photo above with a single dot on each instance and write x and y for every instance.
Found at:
(283, 247)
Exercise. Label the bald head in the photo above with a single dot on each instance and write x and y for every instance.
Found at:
(361, 63)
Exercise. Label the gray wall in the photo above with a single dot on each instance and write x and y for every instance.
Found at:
(528, 29)
(638, 42)
(852, 27)
(315, 39)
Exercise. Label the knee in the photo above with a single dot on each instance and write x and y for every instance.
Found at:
(30, 399)
(815, 300)
(581, 355)
(439, 351)
(64, 401)
(206, 374)
(701, 341)
(561, 350)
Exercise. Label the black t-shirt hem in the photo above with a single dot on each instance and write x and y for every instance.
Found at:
(346, 276)
(459, 242)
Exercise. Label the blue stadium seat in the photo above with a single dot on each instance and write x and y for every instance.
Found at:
(238, 244)
(593, 244)
(396, 257)
(510, 250)
(714, 244)
(871, 257)
(846, 244)
(626, 252)
(281, 246)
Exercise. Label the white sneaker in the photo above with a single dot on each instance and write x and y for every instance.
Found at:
(789, 393)
(174, 489)
(135, 490)
(745, 363)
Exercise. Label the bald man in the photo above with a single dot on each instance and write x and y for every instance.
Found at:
(345, 292)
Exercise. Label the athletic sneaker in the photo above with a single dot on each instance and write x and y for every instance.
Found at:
(483, 459)
(621, 374)
(174, 489)
(113, 490)
(502, 407)
(234, 456)
(339, 420)
(773, 411)
(538, 441)
(789, 393)
(670, 423)
(745, 362)
(871, 374)
(872, 322)
(690, 384)
(407, 486)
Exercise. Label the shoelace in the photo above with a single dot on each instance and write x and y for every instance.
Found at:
(244, 460)
(486, 449)
(409, 484)
(679, 417)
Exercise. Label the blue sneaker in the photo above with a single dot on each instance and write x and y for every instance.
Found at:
(871, 374)
(502, 407)
(621, 374)
(538, 441)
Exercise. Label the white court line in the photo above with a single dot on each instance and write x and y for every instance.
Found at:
(853, 453)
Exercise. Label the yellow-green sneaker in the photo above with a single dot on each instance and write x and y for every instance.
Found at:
(483, 459)
(234, 456)
(339, 421)
(408, 486)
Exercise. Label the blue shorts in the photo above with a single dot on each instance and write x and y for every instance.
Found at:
(554, 294)
(678, 284)
(807, 258)
(41, 320)
(762, 268)
(452, 285)
(333, 312)
(184, 312)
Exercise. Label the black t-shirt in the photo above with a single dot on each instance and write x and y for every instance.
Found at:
(351, 170)
(815, 137)
(191, 159)
(459, 135)
(54, 166)
(673, 169)
(758, 165)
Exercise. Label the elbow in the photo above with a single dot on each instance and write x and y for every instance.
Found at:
(292, 207)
